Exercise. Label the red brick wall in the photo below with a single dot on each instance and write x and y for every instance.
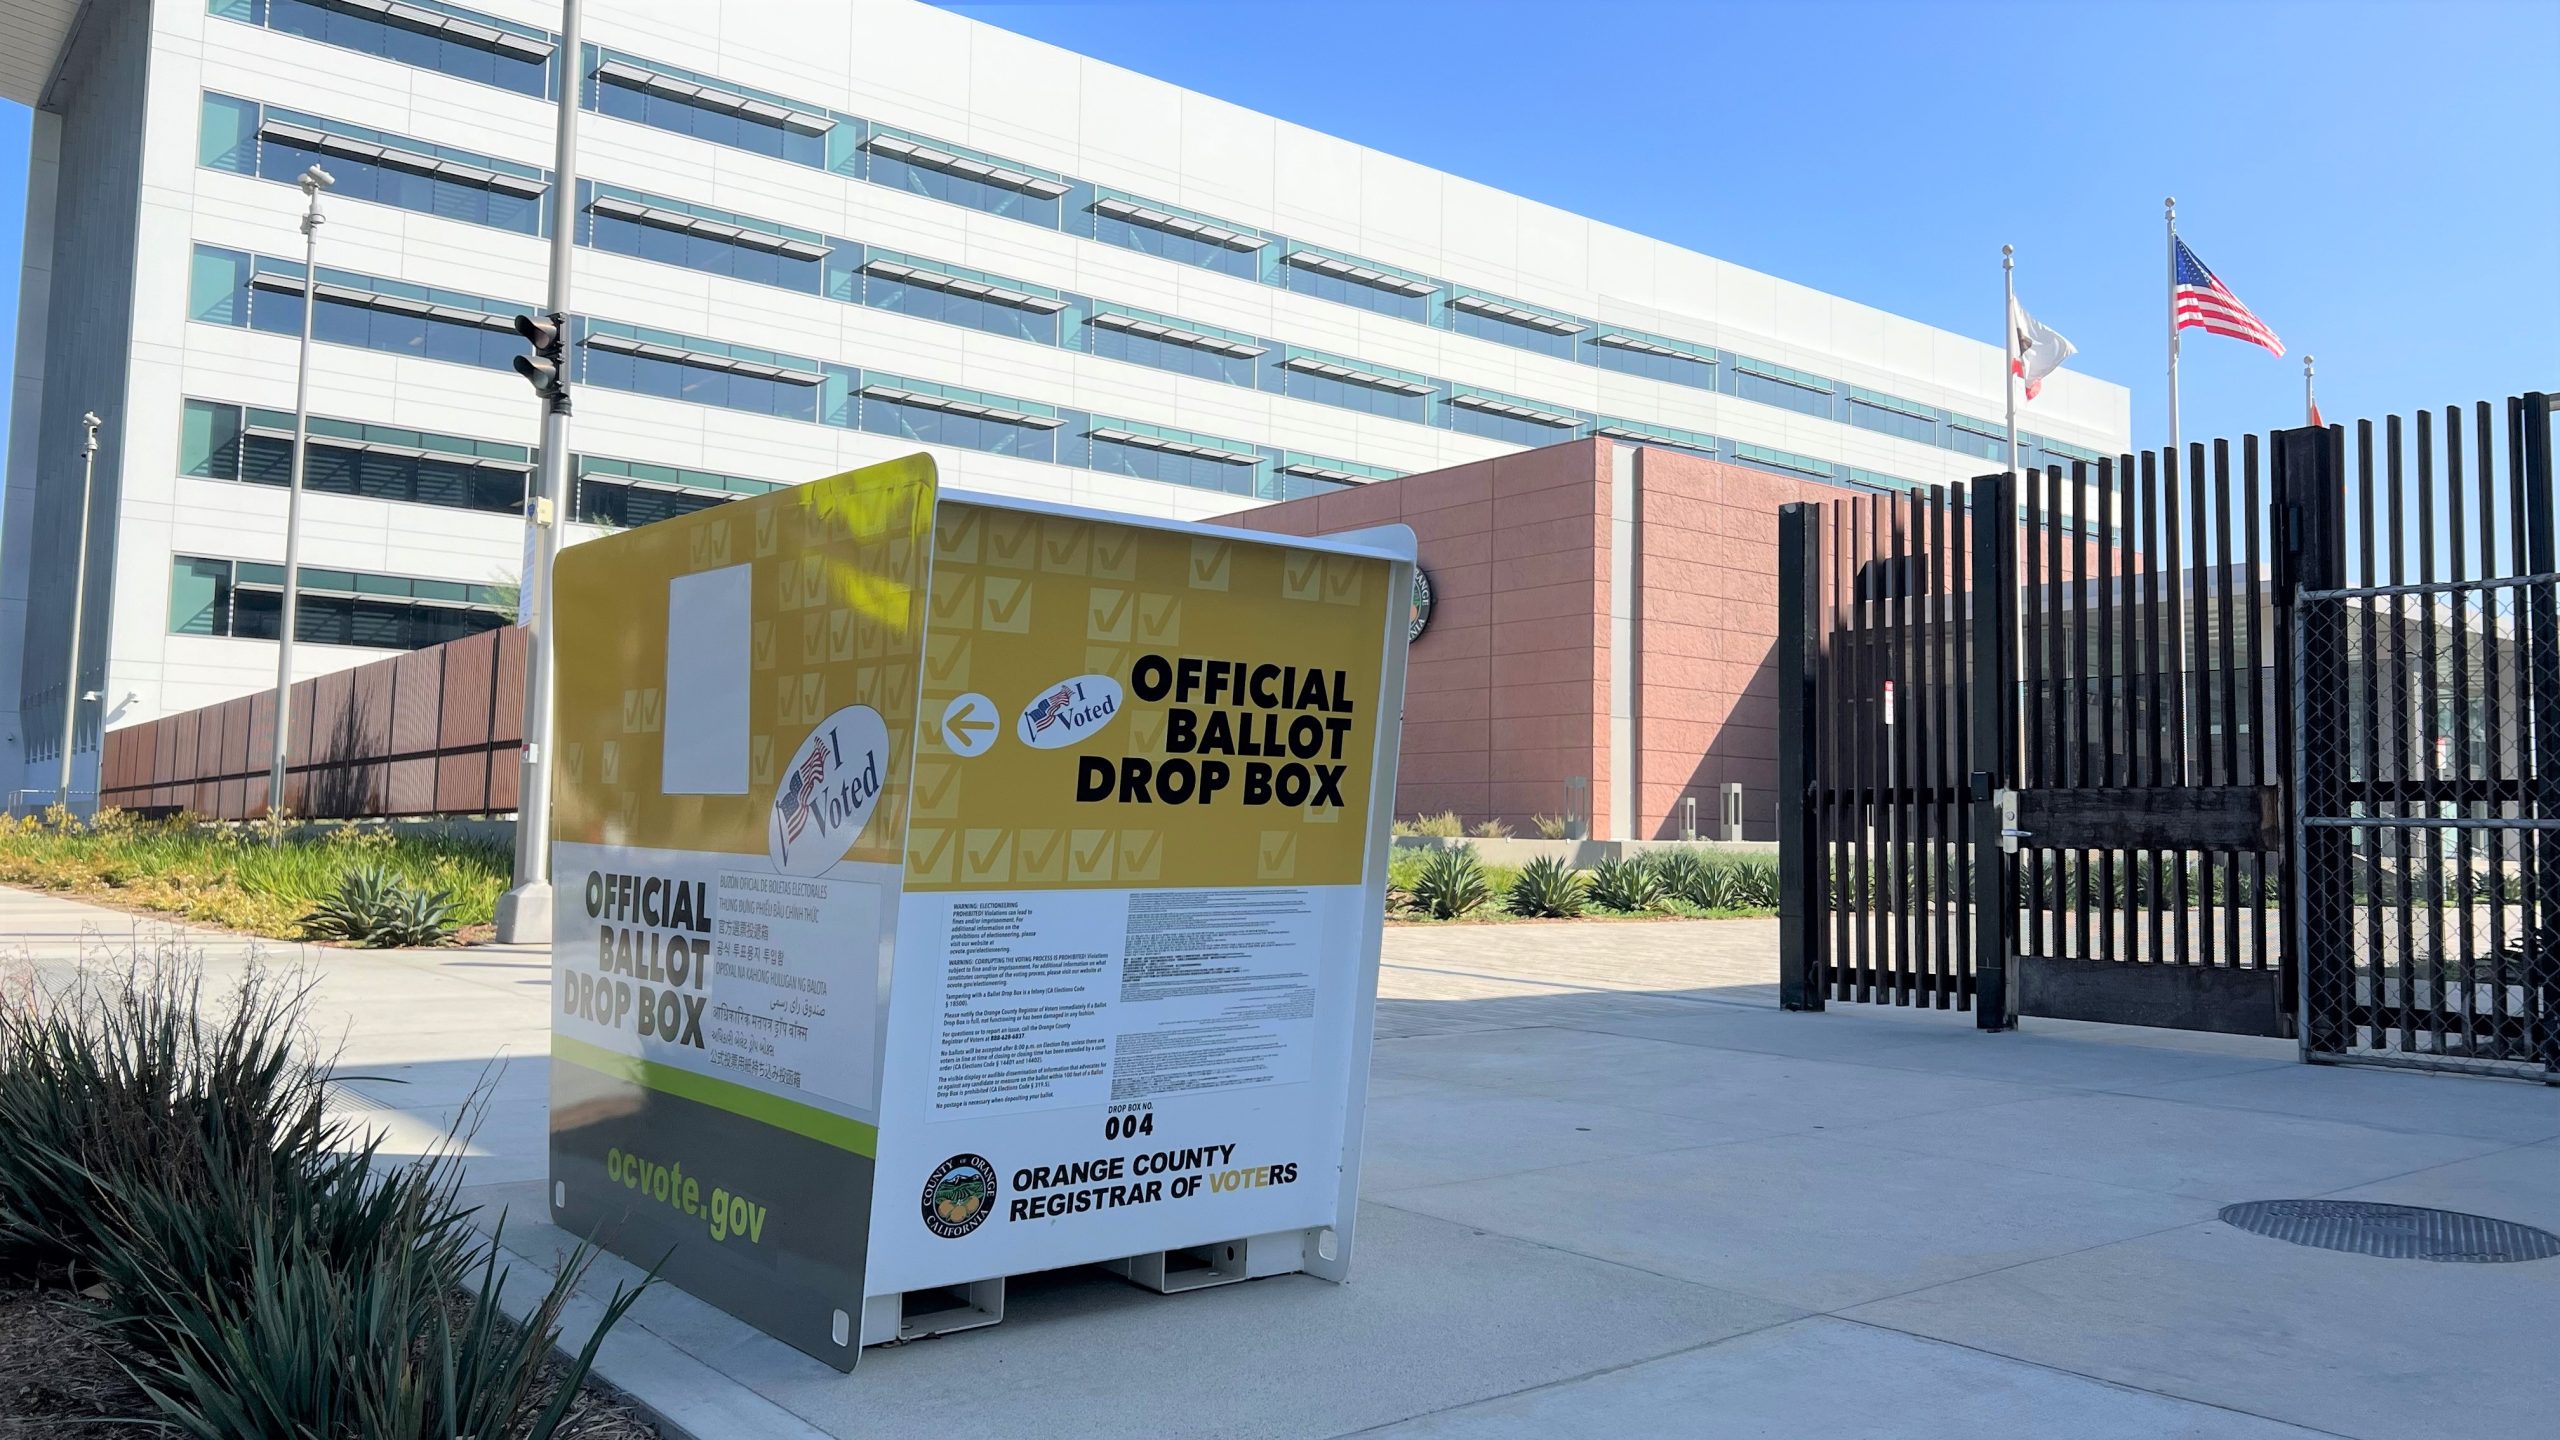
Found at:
(1507, 693)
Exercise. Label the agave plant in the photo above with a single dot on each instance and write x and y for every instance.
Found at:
(1627, 886)
(376, 908)
(1681, 874)
(1452, 883)
(1545, 889)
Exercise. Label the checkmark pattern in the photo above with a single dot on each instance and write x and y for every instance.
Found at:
(1021, 604)
(838, 616)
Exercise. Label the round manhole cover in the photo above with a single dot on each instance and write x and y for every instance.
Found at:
(2394, 1232)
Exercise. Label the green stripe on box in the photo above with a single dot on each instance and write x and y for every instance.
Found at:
(825, 1127)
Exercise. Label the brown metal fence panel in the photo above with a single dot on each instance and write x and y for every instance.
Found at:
(406, 735)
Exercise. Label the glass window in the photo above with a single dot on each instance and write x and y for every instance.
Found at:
(209, 440)
(708, 253)
(404, 187)
(1195, 471)
(1158, 354)
(969, 432)
(1327, 390)
(622, 506)
(1688, 370)
(199, 597)
(1970, 442)
(1868, 415)
(218, 287)
(1185, 249)
(628, 99)
(425, 49)
(1504, 427)
(228, 139)
(1785, 394)
(697, 384)
(1511, 333)
(930, 304)
(1352, 292)
(1278, 486)
(994, 199)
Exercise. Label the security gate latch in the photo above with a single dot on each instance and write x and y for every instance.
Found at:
(2010, 834)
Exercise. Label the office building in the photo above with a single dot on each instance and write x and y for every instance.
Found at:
(812, 234)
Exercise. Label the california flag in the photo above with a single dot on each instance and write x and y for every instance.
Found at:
(2037, 349)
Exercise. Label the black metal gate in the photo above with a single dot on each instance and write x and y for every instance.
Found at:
(2428, 640)
(2146, 742)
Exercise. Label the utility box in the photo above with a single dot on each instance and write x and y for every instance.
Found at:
(951, 887)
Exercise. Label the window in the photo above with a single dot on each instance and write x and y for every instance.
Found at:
(945, 415)
(1662, 435)
(244, 599)
(700, 372)
(423, 33)
(979, 182)
(672, 233)
(353, 313)
(226, 287)
(1788, 389)
(1176, 458)
(1979, 438)
(1499, 417)
(1166, 344)
(370, 165)
(1655, 359)
(1518, 326)
(955, 297)
(1297, 476)
(1331, 277)
(1884, 413)
(1171, 234)
(1331, 382)
(627, 493)
(227, 442)
(711, 110)
(1768, 458)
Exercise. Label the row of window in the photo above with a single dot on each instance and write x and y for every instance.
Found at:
(743, 117)
(229, 287)
(222, 441)
(244, 599)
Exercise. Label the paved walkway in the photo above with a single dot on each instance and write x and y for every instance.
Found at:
(1611, 1188)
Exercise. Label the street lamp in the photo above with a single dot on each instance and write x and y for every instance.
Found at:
(524, 912)
(79, 591)
(314, 180)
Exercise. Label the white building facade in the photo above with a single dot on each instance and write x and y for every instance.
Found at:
(811, 234)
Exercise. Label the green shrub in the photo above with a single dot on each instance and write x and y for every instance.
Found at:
(1450, 884)
(375, 908)
(1627, 886)
(1681, 874)
(263, 1268)
(1545, 889)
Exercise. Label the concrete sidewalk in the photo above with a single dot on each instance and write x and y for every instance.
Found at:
(1611, 1187)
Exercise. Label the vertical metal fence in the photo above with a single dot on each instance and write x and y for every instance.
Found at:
(2427, 633)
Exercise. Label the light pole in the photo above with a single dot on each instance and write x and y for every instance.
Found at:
(314, 180)
(79, 592)
(524, 912)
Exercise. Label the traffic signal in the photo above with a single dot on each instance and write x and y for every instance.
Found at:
(547, 368)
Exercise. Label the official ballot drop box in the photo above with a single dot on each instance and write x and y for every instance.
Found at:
(951, 887)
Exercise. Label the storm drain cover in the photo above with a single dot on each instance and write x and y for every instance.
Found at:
(2393, 1232)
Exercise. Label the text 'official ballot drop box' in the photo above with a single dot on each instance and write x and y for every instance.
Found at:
(952, 887)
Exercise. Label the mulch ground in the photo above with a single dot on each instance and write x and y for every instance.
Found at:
(59, 1381)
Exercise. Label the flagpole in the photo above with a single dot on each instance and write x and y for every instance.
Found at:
(2310, 402)
(2170, 205)
(2009, 348)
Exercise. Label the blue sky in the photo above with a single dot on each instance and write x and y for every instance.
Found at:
(2374, 180)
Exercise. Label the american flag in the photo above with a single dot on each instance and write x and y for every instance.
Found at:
(2202, 302)
(1046, 710)
(801, 794)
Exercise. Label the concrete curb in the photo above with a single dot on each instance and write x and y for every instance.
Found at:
(687, 1399)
